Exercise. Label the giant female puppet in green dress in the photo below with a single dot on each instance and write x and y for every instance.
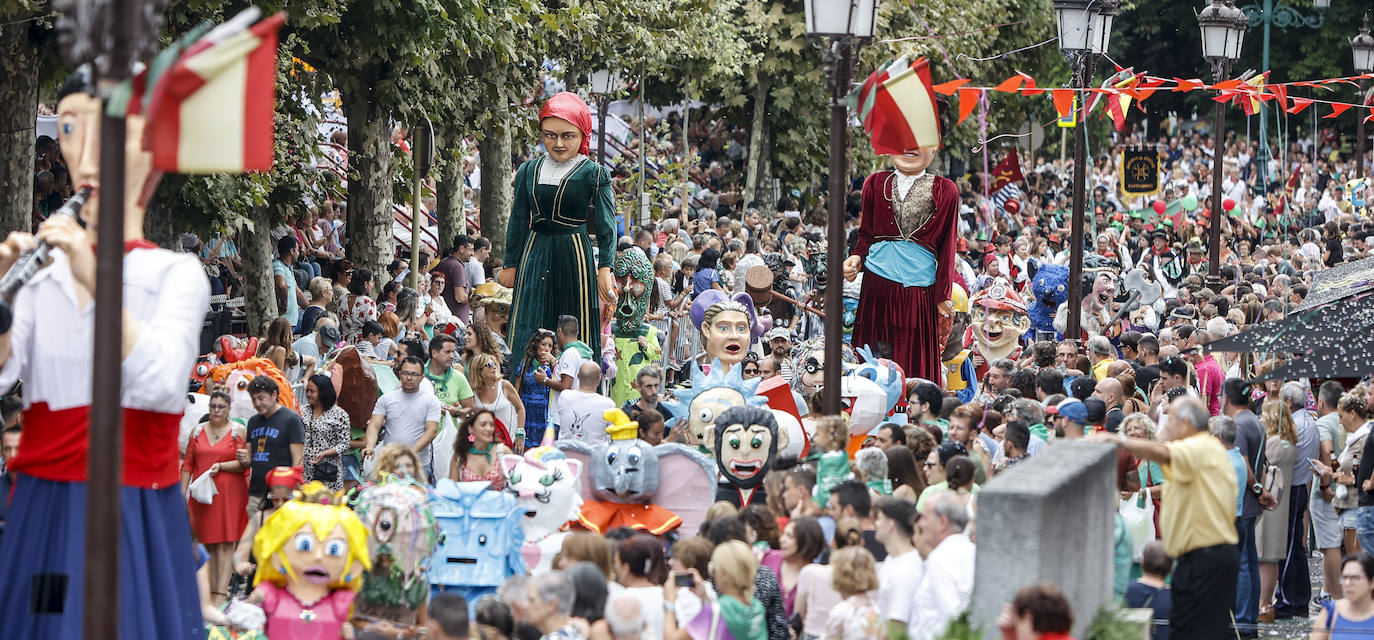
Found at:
(549, 260)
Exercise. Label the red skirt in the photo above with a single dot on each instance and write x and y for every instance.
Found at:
(907, 318)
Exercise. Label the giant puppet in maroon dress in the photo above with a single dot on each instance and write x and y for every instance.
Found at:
(906, 244)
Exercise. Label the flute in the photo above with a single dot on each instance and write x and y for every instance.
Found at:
(31, 261)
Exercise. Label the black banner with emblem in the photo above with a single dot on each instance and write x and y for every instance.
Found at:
(1139, 172)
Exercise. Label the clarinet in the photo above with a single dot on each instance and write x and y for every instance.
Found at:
(30, 262)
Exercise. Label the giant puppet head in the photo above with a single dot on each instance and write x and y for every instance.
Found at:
(746, 445)
(1099, 283)
(1051, 288)
(999, 318)
(544, 481)
(79, 114)
(628, 470)
(958, 323)
(481, 539)
(808, 364)
(234, 377)
(310, 542)
(709, 396)
(727, 325)
(402, 533)
(635, 281)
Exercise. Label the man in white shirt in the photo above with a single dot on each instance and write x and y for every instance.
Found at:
(575, 352)
(947, 582)
(481, 250)
(581, 409)
(894, 524)
(408, 415)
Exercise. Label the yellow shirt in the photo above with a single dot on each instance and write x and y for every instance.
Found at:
(1100, 369)
(1198, 508)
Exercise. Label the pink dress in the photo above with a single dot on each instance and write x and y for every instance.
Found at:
(288, 618)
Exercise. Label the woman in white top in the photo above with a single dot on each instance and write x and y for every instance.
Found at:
(493, 392)
(642, 572)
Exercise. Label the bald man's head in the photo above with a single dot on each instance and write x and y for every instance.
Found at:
(1117, 367)
(1108, 390)
(588, 376)
(625, 616)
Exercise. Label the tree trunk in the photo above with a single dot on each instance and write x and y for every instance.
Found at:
(497, 192)
(448, 188)
(259, 287)
(157, 224)
(757, 173)
(18, 112)
(370, 241)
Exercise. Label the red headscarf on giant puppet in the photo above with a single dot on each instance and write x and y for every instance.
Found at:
(566, 105)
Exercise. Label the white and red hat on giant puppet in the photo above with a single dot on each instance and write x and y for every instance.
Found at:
(1000, 295)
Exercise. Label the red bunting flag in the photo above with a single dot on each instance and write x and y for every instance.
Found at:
(1337, 109)
(1299, 104)
(1185, 86)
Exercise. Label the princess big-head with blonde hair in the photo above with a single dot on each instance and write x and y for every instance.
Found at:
(311, 556)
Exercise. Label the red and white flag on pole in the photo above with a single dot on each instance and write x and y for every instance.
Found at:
(212, 112)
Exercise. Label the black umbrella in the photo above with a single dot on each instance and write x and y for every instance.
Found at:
(1352, 360)
(1338, 326)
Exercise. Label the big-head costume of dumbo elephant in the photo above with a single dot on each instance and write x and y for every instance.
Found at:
(628, 483)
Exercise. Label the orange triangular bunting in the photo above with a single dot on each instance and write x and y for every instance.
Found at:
(1063, 101)
(968, 98)
(948, 88)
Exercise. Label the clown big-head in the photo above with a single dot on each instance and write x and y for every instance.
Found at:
(998, 320)
(402, 533)
(635, 280)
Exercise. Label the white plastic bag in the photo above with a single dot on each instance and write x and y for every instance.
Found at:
(1140, 521)
(441, 449)
(203, 488)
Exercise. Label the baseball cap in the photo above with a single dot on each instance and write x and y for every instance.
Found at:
(1079, 387)
(778, 332)
(1095, 410)
(1074, 410)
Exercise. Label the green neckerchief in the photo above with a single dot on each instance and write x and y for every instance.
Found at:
(581, 348)
(485, 453)
(745, 621)
(1040, 430)
(883, 486)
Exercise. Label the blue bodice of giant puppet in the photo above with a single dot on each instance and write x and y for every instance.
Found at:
(481, 539)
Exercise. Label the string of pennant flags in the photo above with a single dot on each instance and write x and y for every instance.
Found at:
(1126, 86)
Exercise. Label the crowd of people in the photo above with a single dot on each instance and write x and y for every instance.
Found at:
(1226, 488)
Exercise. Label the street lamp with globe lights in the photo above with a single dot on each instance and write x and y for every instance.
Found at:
(1362, 50)
(1223, 31)
(1085, 28)
(847, 25)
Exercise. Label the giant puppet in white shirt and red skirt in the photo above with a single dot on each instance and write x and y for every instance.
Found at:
(49, 347)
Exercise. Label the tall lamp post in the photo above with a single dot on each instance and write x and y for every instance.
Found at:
(1085, 28)
(1223, 31)
(1283, 17)
(846, 25)
(1362, 49)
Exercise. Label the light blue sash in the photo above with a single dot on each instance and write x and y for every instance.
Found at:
(902, 261)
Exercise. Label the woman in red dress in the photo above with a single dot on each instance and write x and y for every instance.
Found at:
(906, 245)
(214, 448)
